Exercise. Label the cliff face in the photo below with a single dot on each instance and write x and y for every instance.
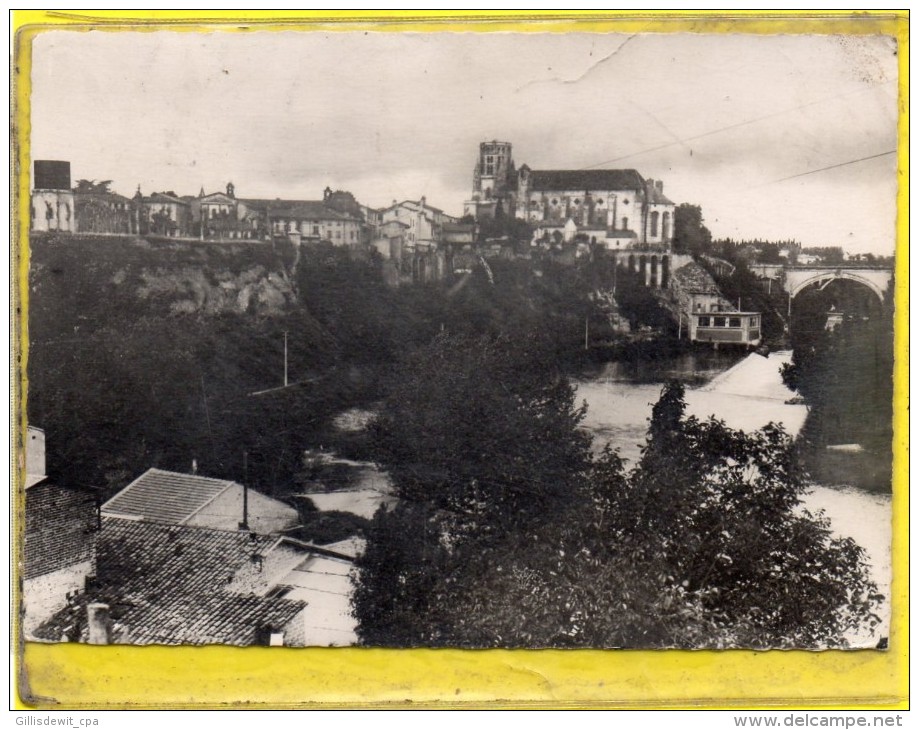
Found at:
(188, 290)
(82, 275)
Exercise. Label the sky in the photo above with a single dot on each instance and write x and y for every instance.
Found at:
(775, 137)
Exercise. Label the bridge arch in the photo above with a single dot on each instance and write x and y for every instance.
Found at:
(796, 284)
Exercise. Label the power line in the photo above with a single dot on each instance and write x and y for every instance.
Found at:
(729, 127)
(829, 167)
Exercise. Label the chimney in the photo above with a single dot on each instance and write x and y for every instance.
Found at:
(660, 186)
(194, 466)
(100, 625)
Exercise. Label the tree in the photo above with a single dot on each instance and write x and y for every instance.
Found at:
(705, 544)
(92, 186)
(689, 233)
(723, 510)
(484, 427)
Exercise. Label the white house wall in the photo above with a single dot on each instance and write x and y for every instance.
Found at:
(225, 512)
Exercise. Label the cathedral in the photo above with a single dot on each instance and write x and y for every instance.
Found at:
(616, 208)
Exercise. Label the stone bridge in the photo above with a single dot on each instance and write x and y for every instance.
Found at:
(798, 278)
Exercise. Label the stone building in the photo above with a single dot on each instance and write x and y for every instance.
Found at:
(59, 542)
(615, 208)
(52, 205)
(164, 214)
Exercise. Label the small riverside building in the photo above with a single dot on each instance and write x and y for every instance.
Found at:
(740, 328)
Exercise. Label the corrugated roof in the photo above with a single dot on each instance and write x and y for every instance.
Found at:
(165, 496)
(587, 180)
(174, 584)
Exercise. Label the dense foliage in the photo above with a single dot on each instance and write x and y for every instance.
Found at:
(846, 377)
(690, 235)
(509, 533)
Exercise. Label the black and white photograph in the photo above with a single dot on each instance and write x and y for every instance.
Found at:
(470, 340)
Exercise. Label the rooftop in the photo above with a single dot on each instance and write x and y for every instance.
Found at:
(174, 584)
(165, 496)
(308, 209)
(587, 180)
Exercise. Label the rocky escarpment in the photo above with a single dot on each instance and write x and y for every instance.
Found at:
(253, 290)
(83, 275)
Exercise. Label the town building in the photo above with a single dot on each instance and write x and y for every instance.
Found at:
(174, 584)
(189, 499)
(52, 205)
(305, 220)
(615, 208)
(164, 214)
(59, 541)
(706, 314)
(415, 229)
(220, 216)
(425, 222)
(99, 210)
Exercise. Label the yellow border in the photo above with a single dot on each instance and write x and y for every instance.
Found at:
(79, 676)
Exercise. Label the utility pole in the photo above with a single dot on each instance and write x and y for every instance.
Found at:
(285, 358)
(244, 525)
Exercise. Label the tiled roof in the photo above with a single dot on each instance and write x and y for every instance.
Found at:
(216, 197)
(657, 197)
(305, 209)
(165, 198)
(174, 584)
(165, 496)
(587, 180)
(415, 205)
(60, 525)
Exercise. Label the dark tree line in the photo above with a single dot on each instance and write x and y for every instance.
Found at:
(845, 374)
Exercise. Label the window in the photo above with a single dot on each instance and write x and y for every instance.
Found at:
(625, 202)
(577, 201)
(654, 217)
(734, 322)
(705, 321)
(600, 202)
(720, 321)
(625, 224)
(554, 201)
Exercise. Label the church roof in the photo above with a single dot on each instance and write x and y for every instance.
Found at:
(586, 180)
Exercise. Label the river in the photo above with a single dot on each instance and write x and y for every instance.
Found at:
(746, 392)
